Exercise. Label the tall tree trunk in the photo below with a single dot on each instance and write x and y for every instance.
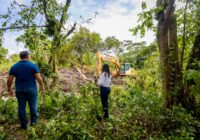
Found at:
(168, 47)
(162, 38)
(175, 74)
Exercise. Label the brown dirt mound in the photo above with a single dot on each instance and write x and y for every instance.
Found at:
(69, 79)
(3, 78)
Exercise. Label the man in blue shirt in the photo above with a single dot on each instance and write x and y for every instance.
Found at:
(26, 73)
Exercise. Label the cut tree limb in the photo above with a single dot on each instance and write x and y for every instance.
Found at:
(70, 31)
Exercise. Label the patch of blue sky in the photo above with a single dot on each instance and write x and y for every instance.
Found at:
(4, 5)
(129, 6)
(85, 8)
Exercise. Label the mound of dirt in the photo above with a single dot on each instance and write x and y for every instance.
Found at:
(73, 78)
(70, 79)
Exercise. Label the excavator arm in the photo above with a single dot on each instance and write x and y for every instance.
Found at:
(107, 58)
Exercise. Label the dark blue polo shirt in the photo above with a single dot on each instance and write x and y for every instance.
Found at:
(24, 72)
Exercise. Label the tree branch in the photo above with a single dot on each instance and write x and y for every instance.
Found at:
(45, 10)
(20, 5)
(70, 31)
(31, 12)
(184, 33)
(20, 27)
(64, 12)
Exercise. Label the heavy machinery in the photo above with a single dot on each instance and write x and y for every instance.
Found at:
(120, 69)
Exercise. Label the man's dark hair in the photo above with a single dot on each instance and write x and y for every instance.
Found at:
(24, 54)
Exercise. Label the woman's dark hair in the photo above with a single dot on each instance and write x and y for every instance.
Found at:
(106, 69)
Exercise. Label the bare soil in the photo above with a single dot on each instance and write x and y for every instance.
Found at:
(69, 79)
(3, 77)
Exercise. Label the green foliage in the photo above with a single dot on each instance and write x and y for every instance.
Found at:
(8, 110)
(1, 38)
(3, 53)
(68, 57)
(84, 43)
(6, 64)
(138, 53)
(145, 21)
(45, 69)
(34, 40)
(194, 75)
(134, 114)
(194, 16)
(136, 108)
(111, 43)
(144, 5)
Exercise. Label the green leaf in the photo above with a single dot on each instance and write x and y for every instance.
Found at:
(144, 5)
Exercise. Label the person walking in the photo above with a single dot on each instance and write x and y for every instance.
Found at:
(26, 73)
(104, 84)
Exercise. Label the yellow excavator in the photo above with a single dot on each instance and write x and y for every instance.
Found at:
(123, 69)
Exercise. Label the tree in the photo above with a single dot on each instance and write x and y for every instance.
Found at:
(137, 54)
(168, 47)
(55, 16)
(112, 43)
(167, 32)
(85, 42)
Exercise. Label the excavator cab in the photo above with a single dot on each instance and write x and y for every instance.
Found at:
(124, 68)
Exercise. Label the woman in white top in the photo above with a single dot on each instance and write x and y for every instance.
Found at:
(104, 84)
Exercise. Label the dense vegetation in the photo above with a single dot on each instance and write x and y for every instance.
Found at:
(163, 101)
(135, 114)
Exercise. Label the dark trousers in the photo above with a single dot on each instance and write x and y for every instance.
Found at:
(24, 95)
(104, 92)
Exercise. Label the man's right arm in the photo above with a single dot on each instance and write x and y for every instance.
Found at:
(9, 84)
(40, 81)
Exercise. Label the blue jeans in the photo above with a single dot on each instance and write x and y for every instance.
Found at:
(104, 92)
(24, 95)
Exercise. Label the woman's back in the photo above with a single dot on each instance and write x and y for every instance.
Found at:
(104, 80)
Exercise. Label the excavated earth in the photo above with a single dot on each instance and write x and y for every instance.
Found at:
(3, 77)
(69, 79)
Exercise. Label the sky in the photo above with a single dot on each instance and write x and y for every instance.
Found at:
(115, 18)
